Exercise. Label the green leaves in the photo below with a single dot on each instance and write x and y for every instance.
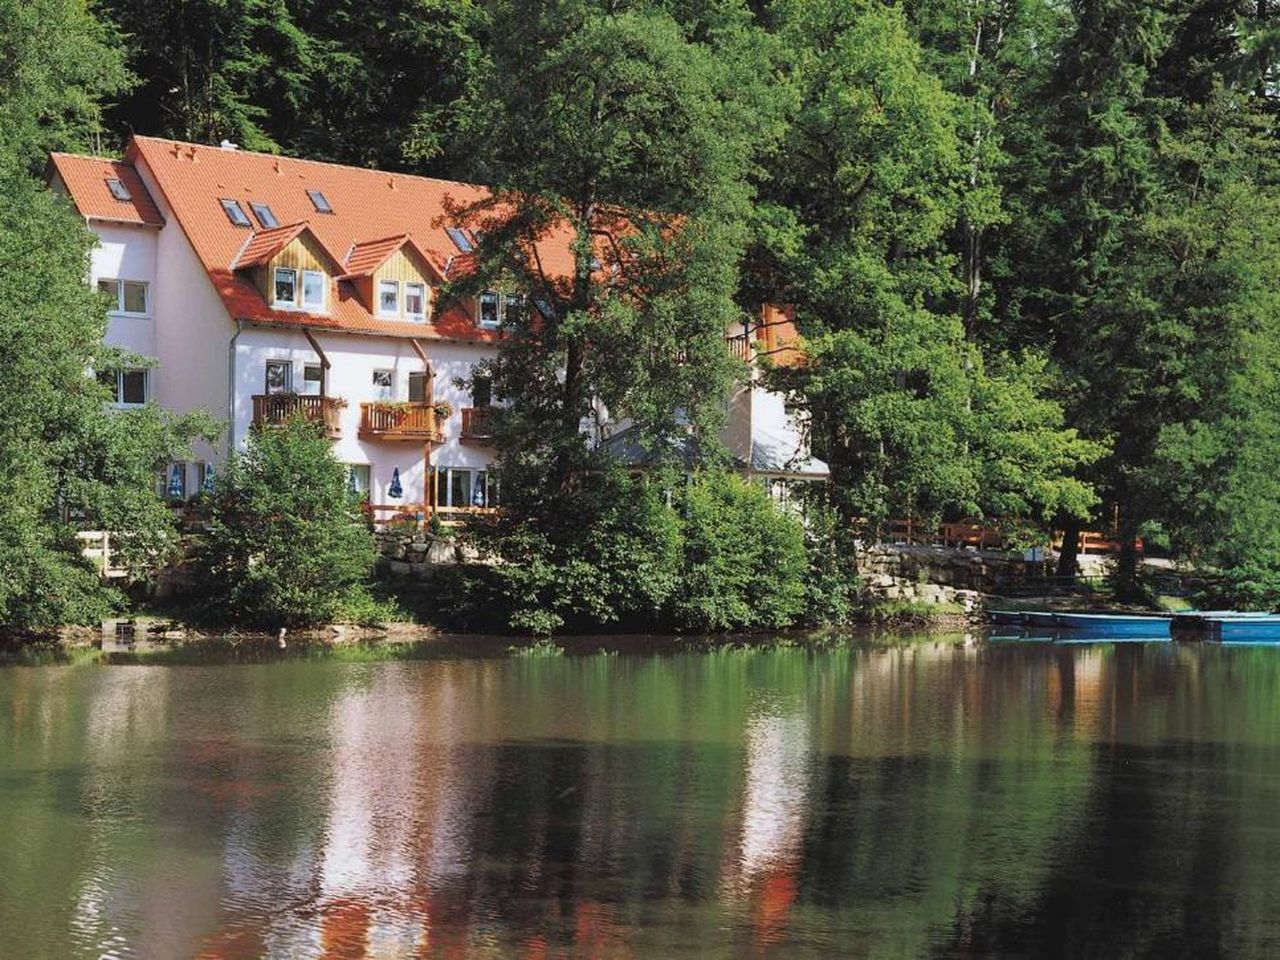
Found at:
(286, 543)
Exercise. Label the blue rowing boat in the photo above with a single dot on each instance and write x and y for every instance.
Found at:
(1113, 625)
(1151, 626)
(1229, 626)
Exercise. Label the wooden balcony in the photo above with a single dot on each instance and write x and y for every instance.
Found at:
(383, 420)
(740, 347)
(477, 424)
(274, 409)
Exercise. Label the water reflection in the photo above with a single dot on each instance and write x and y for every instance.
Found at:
(931, 798)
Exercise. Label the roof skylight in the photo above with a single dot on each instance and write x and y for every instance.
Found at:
(319, 201)
(460, 239)
(264, 215)
(235, 212)
(118, 189)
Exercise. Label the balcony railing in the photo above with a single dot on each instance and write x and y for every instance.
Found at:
(739, 347)
(400, 421)
(274, 409)
(477, 423)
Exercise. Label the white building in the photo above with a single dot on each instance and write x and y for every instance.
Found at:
(263, 285)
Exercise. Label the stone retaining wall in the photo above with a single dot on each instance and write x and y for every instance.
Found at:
(416, 554)
(928, 574)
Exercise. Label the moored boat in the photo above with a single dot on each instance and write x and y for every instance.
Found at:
(1229, 626)
(1153, 626)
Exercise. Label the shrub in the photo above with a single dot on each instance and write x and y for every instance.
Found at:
(744, 559)
(286, 541)
(604, 551)
(831, 583)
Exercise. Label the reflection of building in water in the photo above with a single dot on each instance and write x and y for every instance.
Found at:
(376, 876)
(774, 805)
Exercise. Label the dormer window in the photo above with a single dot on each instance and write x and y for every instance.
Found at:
(490, 309)
(119, 190)
(235, 213)
(495, 307)
(415, 301)
(313, 287)
(389, 298)
(319, 201)
(285, 285)
(460, 239)
(264, 215)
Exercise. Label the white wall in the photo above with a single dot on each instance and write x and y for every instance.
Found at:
(353, 359)
(127, 252)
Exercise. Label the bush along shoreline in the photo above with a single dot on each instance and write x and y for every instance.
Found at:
(286, 545)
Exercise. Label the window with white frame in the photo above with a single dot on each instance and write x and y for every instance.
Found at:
(490, 309)
(204, 478)
(313, 290)
(131, 297)
(129, 387)
(384, 384)
(279, 376)
(284, 285)
(313, 379)
(389, 298)
(460, 487)
(496, 307)
(415, 301)
(358, 476)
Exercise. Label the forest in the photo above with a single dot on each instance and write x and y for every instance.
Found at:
(1033, 246)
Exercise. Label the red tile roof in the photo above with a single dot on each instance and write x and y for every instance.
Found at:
(261, 246)
(86, 181)
(364, 258)
(367, 205)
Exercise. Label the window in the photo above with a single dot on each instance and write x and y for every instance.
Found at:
(313, 284)
(264, 215)
(176, 487)
(383, 385)
(415, 300)
(319, 201)
(279, 376)
(358, 479)
(389, 298)
(128, 387)
(459, 487)
(204, 477)
(496, 307)
(418, 389)
(118, 189)
(481, 391)
(235, 213)
(460, 239)
(489, 309)
(130, 296)
(313, 379)
(286, 286)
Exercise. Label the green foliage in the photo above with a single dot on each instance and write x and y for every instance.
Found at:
(631, 129)
(67, 462)
(603, 552)
(744, 560)
(611, 551)
(286, 543)
(60, 63)
(876, 185)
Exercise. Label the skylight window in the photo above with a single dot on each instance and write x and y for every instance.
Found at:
(319, 201)
(264, 215)
(460, 239)
(118, 189)
(235, 213)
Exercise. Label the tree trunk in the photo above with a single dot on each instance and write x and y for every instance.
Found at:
(1127, 584)
(1070, 553)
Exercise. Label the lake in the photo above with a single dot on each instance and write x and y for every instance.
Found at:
(939, 796)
